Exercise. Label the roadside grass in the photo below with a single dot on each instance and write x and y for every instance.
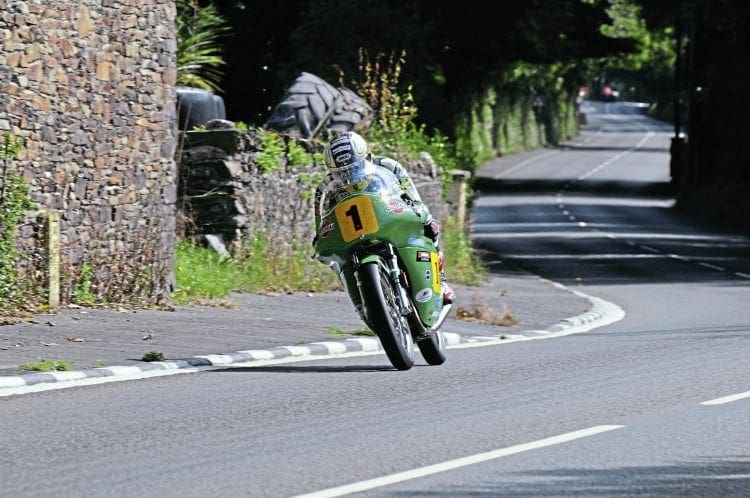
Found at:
(47, 366)
(153, 356)
(205, 277)
(462, 263)
(362, 331)
(261, 265)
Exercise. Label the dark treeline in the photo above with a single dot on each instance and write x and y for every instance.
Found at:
(451, 47)
(454, 50)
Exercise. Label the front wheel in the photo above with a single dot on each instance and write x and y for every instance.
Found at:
(384, 316)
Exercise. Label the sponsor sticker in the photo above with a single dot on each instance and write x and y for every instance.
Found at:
(415, 241)
(423, 256)
(428, 275)
(424, 295)
(326, 228)
(395, 207)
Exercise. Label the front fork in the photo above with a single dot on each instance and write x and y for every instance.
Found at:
(394, 272)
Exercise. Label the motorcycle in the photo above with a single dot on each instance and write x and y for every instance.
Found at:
(374, 241)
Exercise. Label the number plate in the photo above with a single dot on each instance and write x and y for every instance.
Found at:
(356, 217)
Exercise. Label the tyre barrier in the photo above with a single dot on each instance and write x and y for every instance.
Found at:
(196, 107)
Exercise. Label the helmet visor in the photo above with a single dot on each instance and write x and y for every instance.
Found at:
(354, 173)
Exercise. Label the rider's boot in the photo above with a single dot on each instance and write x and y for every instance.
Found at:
(448, 294)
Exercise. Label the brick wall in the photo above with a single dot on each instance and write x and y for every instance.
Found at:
(88, 85)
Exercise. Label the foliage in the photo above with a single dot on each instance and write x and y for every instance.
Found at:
(47, 366)
(394, 132)
(14, 202)
(297, 155)
(462, 264)
(360, 331)
(453, 48)
(645, 73)
(201, 273)
(199, 53)
(378, 85)
(272, 149)
(272, 265)
(82, 293)
(153, 356)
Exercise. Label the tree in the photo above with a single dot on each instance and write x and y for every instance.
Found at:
(199, 51)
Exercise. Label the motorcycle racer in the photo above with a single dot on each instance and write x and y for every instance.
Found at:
(351, 169)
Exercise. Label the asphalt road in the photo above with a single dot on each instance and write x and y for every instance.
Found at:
(637, 407)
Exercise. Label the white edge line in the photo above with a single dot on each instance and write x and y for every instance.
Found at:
(602, 313)
(727, 399)
(133, 373)
(458, 463)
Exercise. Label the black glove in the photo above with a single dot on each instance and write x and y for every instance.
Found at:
(432, 230)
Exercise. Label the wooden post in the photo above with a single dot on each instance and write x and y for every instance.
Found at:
(53, 258)
(458, 195)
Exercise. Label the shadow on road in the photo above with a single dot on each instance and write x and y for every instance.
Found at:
(310, 369)
(701, 478)
(604, 232)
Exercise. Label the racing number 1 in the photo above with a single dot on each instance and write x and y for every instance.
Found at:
(353, 213)
(356, 217)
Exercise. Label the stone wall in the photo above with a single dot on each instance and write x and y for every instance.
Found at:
(224, 192)
(88, 85)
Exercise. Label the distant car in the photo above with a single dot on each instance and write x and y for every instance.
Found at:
(610, 94)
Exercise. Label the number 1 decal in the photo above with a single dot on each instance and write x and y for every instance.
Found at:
(353, 213)
(435, 260)
(356, 217)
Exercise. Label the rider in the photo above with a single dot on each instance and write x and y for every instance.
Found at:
(347, 158)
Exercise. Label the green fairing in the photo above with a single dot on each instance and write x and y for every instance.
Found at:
(396, 223)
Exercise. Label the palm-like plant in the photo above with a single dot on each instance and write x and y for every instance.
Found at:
(199, 53)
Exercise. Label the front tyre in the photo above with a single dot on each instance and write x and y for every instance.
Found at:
(384, 316)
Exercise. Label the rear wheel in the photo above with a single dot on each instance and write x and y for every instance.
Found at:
(384, 316)
(433, 348)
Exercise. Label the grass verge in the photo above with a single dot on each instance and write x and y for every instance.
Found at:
(47, 366)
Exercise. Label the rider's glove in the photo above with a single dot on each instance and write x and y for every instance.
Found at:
(432, 229)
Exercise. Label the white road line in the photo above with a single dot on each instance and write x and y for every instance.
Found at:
(458, 463)
(743, 275)
(727, 399)
(713, 267)
(651, 249)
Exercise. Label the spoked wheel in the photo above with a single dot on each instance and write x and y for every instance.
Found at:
(391, 328)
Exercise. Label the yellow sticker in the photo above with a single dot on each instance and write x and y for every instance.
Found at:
(356, 217)
(435, 263)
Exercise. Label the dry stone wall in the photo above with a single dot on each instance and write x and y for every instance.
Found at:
(224, 192)
(88, 85)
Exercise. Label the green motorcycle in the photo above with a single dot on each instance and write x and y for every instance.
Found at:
(374, 240)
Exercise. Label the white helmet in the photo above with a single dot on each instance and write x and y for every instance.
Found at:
(346, 156)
